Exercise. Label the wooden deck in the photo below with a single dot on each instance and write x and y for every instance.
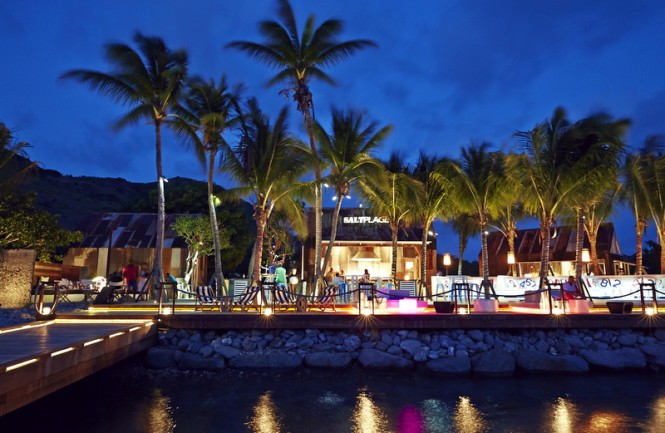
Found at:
(42, 357)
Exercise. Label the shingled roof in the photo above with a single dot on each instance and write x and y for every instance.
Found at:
(130, 230)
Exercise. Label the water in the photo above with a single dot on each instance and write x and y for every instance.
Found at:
(128, 399)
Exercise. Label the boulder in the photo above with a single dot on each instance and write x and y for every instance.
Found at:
(495, 362)
(191, 361)
(655, 354)
(450, 365)
(372, 358)
(621, 359)
(539, 362)
(159, 357)
(266, 360)
(333, 360)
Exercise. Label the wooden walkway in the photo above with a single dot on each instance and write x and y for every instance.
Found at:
(42, 357)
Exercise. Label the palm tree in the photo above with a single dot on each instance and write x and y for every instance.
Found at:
(635, 192)
(559, 165)
(299, 60)
(266, 163)
(433, 192)
(347, 155)
(598, 210)
(149, 80)
(465, 225)
(388, 191)
(479, 178)
(211, 109)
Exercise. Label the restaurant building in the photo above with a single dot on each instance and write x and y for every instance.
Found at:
(111, 240)
(364, 241)
(562, 253)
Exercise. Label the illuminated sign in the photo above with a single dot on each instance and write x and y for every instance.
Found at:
(364, 220)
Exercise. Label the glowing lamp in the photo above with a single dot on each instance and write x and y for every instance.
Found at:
(511, 258)
(447, 261)
(46, 310)
(167, 310)
(586, 257)
(462, 310)
(267, 311)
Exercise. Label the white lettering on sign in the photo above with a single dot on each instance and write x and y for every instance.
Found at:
(364, 220)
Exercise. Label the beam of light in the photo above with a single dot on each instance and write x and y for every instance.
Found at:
(467, 417)
(265, 418)
(21, 364)
(367, 416)
(63, 351)
(91, 342)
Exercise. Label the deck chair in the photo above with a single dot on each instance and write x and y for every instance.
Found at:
(326, 299)
(205, 299)
(117, 291)
(283, 298)
(248, 299)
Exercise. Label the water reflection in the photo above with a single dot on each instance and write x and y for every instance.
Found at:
(657, 421)
(410, 420)
(367, 416)
(608, 422)
(160, 414)
(437, 416)
(467, 417)
(564, 414)
(264, 416)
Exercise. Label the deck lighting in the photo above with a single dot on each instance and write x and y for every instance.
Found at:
(462, 310)
(167, 311)
(649, 311)
(366, 312)
(267, 311)
(557, 311)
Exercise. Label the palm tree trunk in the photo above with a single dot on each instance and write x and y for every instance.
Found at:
(640, 226)
(394, 230)
(333, 231)
(485, 256)
(511, 248)
(462, 248)
(260, 217)
(423, 265)
(545, 238)
(579, 243)
(593, 252)
(661, 238)
(161, 214)
(219, 276)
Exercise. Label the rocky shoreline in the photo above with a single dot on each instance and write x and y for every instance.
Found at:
(450, 352)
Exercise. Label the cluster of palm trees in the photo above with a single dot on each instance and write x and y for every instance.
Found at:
(558, 169)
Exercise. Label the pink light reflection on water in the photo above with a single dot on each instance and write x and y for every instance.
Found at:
(410, 420)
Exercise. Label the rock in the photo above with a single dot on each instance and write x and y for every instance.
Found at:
(496, 362)
(476, 335)
(655, 354)
(454, 366)
(659, 334)
(206, 351)
(159, 357)
(227, 352)
(621, 359)
(421, 354)
(410, 346)
(352, 343)
(266, 360)
(191, 361)
(333, 360)
(539, 362)
(372, 358)
(627, 340)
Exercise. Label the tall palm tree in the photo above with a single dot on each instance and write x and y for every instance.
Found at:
(347, 154)
(388, 191)
(635, 191)
(479, 178)
(300, 59)
(149, 80)
(433, 192)
(211, 110)
(266, 163)
(558, 167)
(598, 210)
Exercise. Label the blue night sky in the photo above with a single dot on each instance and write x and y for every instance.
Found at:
(445, 74)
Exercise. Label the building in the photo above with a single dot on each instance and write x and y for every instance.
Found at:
(562, 253)
(132, 236)
(363, 241)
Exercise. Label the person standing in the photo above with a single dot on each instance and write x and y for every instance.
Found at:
(571, 290)
(130, 274)
(330, 275)
(280, 275)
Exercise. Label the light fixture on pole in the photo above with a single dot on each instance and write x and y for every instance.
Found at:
(586, 258)
(447, 262)
(510, 258)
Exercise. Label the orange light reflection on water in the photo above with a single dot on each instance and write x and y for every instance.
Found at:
(265, 418)
(160, 414)
(468, 418)
(367, 416)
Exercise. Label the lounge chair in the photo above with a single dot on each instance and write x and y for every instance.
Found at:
(205, 299)
(326, 299)
(283, 298)
(248, 299)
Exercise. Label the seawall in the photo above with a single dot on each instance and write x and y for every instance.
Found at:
(448, 352)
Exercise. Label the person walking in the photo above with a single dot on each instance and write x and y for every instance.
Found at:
(130, 274)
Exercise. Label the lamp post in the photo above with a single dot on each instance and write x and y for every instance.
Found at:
(446, 262)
